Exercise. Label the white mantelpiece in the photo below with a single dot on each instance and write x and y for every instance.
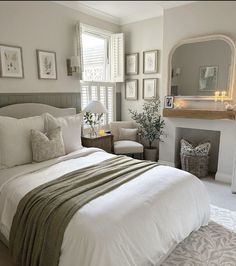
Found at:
(227, 146)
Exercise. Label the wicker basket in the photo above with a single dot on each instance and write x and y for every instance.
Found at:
(196, 165)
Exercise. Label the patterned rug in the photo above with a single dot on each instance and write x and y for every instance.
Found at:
(212, 245)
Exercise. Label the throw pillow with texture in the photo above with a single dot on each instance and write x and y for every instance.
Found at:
(47, 146)
(128, 134)
(188, 148)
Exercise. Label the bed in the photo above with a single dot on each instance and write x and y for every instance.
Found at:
(137, 224)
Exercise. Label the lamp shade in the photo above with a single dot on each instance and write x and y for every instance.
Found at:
(95, 107)
(75, 61)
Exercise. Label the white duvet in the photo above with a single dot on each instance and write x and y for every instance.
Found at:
(136, 224)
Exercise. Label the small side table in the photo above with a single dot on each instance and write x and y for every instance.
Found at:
(103, 142)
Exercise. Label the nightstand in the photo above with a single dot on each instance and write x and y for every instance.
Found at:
(103, 142)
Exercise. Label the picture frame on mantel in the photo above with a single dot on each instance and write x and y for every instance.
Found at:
(132, 64)
(131, 89)
(11, 62)
(47, 65)
(169, 102)
(150, 62)
(149, 88)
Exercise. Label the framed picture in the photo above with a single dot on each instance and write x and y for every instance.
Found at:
(131, 89)
(149, 88)
(131, 64)
(11, 62)
(150, 62)
(47, 68)
(208, 78)
(169, 102)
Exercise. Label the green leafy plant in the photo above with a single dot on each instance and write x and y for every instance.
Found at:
(92, 120)
(150, 122)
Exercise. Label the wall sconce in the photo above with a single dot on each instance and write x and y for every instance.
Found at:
(73, 65)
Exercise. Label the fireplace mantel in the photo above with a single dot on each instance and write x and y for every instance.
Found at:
(199, 114)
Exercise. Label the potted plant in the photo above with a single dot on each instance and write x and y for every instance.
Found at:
(150, 125)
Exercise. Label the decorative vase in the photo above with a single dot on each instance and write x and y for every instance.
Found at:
(150, 154)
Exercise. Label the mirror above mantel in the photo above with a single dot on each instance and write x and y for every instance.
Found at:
(201, 67)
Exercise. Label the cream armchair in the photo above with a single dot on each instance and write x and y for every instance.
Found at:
(125, 141)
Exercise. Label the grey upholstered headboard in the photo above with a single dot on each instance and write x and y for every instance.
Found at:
(23, 110)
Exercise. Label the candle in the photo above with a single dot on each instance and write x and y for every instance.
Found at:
(223, 94)
(101, 132)
(217, 94)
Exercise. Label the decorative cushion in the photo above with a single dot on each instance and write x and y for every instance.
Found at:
(128, 134)
(116, 125)
(127, 147)
(46, 146)
(70, 127)
(15, 146)
(188, 148)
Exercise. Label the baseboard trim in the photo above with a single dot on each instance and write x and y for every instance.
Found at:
(223, 178)
(166, 163)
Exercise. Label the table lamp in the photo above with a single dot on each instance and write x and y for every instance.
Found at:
(93, 113)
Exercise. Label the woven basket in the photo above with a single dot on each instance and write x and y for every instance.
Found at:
(196, 165)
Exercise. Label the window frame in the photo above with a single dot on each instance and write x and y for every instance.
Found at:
(103, 34)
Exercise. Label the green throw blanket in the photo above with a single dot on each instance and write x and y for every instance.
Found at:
(43, 214)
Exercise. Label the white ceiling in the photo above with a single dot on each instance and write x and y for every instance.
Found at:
(123, 12)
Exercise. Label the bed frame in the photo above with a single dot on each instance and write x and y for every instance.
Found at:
(22, 110)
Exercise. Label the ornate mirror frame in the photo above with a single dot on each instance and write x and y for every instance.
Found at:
(205, 39)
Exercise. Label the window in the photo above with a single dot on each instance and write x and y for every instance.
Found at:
(103, 92)
(103, 63)
(103, 55)
(95, 57)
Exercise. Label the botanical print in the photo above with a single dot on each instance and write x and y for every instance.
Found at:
(131, 64)
(149, 88)
(131, 89)
(208, 78)
(47, 65)
(11, 62)
(150, 62)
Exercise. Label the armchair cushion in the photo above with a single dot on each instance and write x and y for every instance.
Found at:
(127, 147)
(128, 134)
(116, 125)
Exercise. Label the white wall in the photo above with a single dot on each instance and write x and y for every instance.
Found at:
(193, 20)
(47, 26)
(141, 36)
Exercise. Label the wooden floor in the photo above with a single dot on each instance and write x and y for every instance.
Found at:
(5, 259)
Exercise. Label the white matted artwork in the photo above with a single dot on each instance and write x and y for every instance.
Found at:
(149, 88)
(47, 68)
(169, 101)
(131, 64)
(208, 78)
(150, 61)
(131, 89)
(11, 62)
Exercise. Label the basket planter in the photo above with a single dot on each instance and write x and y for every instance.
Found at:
(196, 165)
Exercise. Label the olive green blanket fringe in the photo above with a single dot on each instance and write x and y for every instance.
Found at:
(43, 214)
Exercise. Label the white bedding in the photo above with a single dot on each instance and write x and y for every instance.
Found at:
(136, 224)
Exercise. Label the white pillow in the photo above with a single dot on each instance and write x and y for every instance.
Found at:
(128, 134)
(70, 127)
(15, 146)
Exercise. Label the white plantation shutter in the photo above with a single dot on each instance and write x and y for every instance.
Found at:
(103, 92)
(117, 57)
